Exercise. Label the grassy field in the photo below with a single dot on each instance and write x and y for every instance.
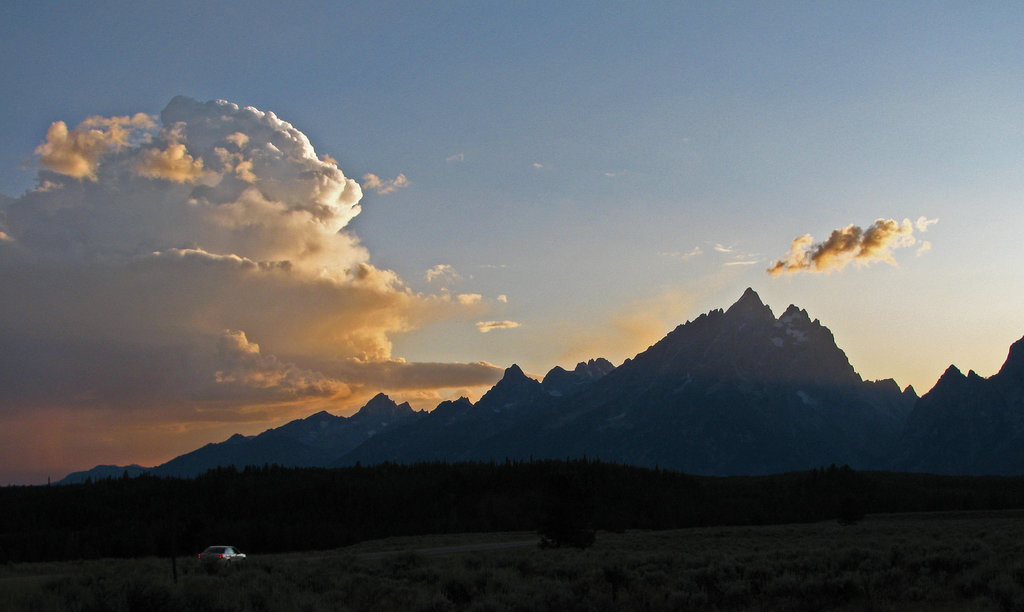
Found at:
(947, 561)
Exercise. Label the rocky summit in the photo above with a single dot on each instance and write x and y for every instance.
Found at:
(732, 392)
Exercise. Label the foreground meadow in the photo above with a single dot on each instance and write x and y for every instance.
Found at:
(944, 561)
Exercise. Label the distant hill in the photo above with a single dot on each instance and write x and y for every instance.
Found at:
(103, 472)
(734, 392)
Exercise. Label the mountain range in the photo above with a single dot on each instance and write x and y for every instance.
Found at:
(732, 392)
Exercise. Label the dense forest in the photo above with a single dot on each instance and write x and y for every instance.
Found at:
(273, 509)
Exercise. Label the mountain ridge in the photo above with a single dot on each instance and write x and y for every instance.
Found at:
(733, 391)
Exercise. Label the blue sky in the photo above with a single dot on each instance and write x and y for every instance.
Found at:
(594, 173)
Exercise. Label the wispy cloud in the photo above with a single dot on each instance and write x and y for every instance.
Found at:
(923, 223)
(444, 274)
(742, 262)
(735, 256)
(458, 157)
(851, 244)
(486, 326)
(373, 182)
(694, 252)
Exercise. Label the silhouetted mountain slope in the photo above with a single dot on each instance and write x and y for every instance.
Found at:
(316, 440)
(103, 472)
(560, 382)
(735, 391)
(459, 430)
(968, 424)
(732, 392)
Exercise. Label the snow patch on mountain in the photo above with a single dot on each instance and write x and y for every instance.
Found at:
(797, 334)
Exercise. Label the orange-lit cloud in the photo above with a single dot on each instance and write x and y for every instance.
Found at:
(400, 375)
(173, 164)
(77, 153)
(244, 366)
(200, 269)
(850, 244)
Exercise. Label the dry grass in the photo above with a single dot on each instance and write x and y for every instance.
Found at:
(903, 562)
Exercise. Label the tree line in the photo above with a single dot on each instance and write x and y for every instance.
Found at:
(269, 509)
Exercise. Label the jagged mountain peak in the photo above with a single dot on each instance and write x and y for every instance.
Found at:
(594, 368)
(513, 372)
(952, 373)
(378, 402)
(558, 371)
(382, 407)
(750, 295)
(560, 382)
(794, 314)
(950, 380)
(515, 387)
(514, 377)
(969, 424)
(750, 306)
(748, 343)
(886, 383)
(452, 408)
(1013, 367)
(953, 377)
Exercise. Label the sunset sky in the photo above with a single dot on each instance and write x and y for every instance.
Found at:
(218, 217)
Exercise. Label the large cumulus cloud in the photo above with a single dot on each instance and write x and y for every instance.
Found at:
(198, 262)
